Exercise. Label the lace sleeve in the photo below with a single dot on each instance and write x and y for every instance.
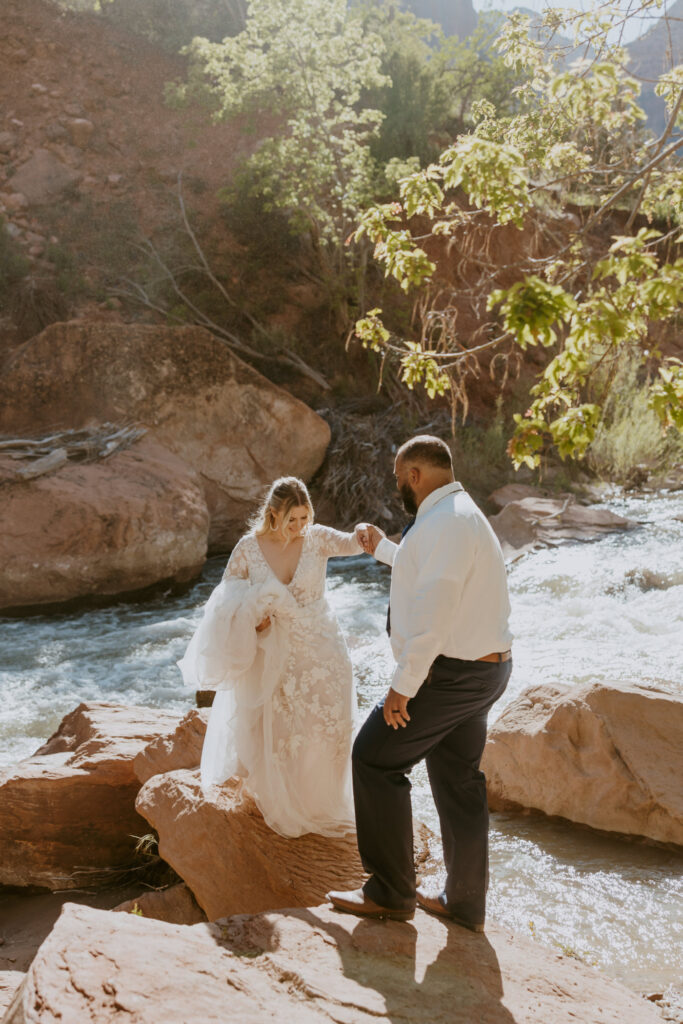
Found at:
(333, 543)
(237, 563)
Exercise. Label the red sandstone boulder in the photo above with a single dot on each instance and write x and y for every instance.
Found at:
(308, 966)
(222, 848)
(67, 814)
(175, 905)
(604, 756)
(181, 748)
(100, 528)
(226, 421)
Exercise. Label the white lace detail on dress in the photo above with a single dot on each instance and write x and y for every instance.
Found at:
(293, 750)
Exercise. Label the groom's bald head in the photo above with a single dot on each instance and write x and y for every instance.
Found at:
(426, 450)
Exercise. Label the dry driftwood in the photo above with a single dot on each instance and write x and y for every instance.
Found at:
(54, 460)
(85, 445)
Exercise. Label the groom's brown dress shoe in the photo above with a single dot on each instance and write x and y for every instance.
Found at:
(433, 905)
(356, 902)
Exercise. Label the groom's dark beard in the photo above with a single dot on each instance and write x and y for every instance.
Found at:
(408, 498)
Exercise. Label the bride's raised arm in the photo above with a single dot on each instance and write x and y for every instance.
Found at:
(335, 543)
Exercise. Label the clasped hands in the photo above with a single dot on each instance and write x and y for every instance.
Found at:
(369, 536)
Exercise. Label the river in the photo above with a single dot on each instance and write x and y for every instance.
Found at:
(610, 611)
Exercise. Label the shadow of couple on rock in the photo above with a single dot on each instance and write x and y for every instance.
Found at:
(364, 970)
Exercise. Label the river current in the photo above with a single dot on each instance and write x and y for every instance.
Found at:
(610, 611)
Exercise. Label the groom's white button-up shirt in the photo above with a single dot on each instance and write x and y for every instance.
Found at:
(448, 588)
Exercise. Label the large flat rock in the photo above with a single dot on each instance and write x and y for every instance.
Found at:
(604, 756)
(235, 428)
(307, 966)
(525, 523)
(67, 814)
(93, 530)
(219, 844)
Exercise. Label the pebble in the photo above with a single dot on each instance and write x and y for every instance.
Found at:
(80, 130)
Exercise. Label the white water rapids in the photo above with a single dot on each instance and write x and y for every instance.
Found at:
(610, 611)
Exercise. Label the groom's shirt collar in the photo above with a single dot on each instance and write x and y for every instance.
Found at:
(435, 496)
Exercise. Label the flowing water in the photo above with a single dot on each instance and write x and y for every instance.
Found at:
(610, 611)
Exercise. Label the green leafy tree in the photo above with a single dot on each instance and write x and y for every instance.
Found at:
(306, 63)
(585, 292)
(433, 81)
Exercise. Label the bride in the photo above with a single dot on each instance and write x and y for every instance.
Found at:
(270, 645)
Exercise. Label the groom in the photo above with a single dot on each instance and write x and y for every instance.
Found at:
(448, 622)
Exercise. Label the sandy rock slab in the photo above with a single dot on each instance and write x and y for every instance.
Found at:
(604, 756)
(222, 848)
(531, 522)
(307, 966)
(100, 529)
(235, 428)
(67, 814)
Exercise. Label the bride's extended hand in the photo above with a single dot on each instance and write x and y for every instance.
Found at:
(263, 625)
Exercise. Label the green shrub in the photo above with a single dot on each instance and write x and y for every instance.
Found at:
(630, 444)
(13, 265)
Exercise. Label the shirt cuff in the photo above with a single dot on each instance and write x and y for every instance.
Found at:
(404, 684)
(386, 551)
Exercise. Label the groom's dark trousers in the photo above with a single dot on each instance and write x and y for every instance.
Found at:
(447, 727)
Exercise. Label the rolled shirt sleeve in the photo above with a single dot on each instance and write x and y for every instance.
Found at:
(386, 551)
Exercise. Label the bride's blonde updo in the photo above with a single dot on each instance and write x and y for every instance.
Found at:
(285, 494)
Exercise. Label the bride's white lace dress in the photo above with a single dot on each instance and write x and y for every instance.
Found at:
(283, 715)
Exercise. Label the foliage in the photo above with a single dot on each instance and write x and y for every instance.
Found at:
(13, 265)
(629, 442)
(432, 81)
(307, 63)
(584, 295)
